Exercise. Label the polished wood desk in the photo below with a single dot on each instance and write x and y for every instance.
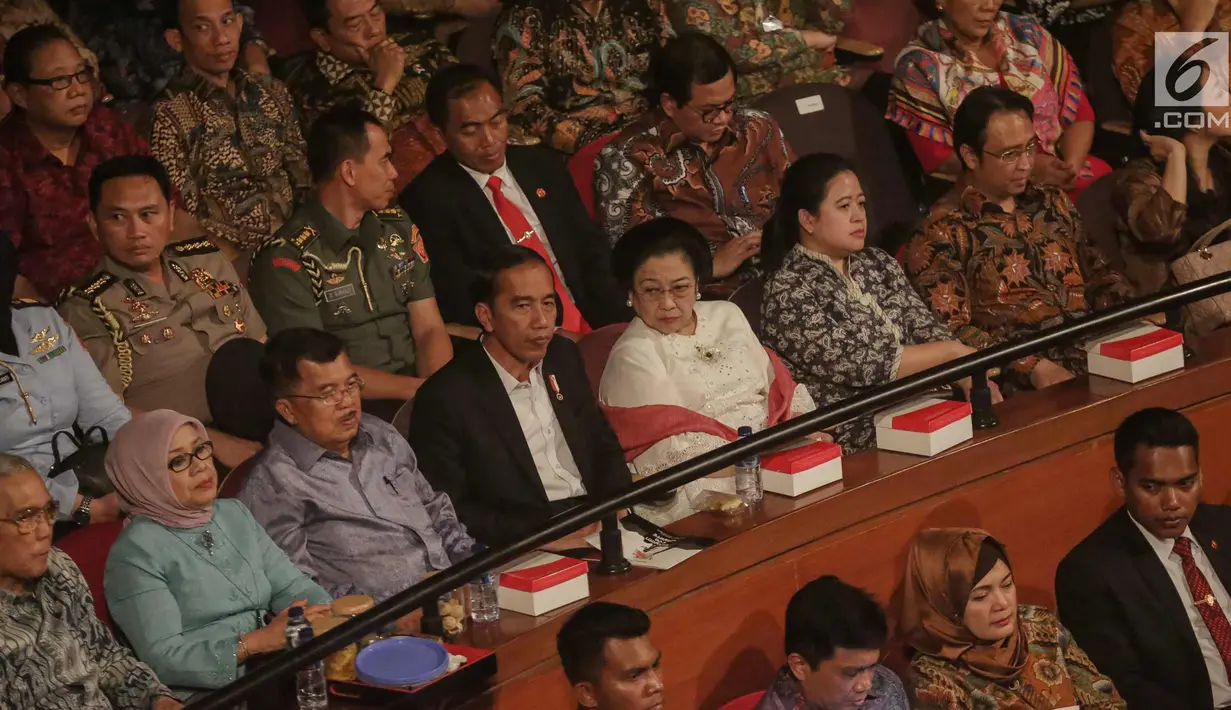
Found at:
(1039, 482)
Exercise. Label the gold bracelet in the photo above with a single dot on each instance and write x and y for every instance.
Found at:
(244, 647)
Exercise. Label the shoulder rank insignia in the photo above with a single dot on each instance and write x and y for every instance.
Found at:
(25, 303)
(95, 287)
(392, 213)
(304, 237)
(192, 247)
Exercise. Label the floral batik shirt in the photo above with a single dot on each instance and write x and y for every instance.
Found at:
(769, 60)
(1058, 674)
(574, 77)
(55, 653)
(992, 275)
(841, 335)
(238, 161)
(725, 190)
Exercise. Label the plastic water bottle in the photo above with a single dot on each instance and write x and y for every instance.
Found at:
(310, 688)
(748, 475)
(294, 624)
(484, 605)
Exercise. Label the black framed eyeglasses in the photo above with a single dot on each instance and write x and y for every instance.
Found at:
(181, 462)
(85, 77)
(27, 520)
(710, 115)
(334, 398)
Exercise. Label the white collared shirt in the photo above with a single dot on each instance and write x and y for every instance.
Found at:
(513, 193)
(1220, 685)
(552, 457)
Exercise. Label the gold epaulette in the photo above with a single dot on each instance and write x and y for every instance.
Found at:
(192, 247)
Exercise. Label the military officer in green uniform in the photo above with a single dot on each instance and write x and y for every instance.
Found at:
(154, 314)
(347, 264)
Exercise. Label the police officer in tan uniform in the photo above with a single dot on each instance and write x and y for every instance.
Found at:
(154, 314)
(347, 264)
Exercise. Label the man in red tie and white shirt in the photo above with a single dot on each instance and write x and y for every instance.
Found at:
(484, 193)
(1145, 594)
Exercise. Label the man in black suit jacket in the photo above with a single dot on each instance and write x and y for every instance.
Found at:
(1146, 591)
(509, 428)
(454, 204)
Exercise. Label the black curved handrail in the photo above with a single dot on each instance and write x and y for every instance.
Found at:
(662, 483)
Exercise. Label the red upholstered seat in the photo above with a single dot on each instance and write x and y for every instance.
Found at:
(748, 702)
(88, 548)
(596, 347)
(234, 480)
(581, 167)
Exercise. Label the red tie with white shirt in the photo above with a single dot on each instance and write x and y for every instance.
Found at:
(517, 223)
(1203, 596)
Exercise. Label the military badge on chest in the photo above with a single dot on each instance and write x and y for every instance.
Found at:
(43, 341)
(216, 288)
(391, 246)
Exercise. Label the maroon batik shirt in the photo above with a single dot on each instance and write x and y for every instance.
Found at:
(44, 203)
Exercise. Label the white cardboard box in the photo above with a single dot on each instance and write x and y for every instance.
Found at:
(1136, 353)
(542, 583)
(801, 469)
(924, 427)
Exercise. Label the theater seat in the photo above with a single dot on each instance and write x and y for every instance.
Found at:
(581, 167)
(88, 548)
(234, 481)
(747, 702)
(748, 297)
(849, 126)
(596, 347)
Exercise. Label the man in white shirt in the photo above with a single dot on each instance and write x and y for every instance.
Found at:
(510, 429)
(1145, 595)
(484, 193)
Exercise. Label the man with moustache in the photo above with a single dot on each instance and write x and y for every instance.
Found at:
(57, 655)
(340, 491)
(1145, 594)
(1000, 257)
(510, 429)
(349, 264)
(229, 139)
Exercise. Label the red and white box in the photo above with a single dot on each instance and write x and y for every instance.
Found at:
(804, 468)
(1136, 353)
(924, 427)
(542, 583)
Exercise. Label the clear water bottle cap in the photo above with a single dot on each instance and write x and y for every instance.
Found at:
(745, 431)
(296, 612)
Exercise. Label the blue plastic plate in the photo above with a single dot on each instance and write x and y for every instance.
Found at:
(401, 662)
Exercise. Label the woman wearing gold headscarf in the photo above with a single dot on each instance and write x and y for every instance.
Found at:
(975, 647)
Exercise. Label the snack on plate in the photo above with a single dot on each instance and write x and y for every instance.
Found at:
(340, 665)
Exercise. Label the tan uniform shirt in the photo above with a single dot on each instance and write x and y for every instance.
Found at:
(153, 342)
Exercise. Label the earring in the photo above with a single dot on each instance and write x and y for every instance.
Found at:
(629, 303)
(698, 294)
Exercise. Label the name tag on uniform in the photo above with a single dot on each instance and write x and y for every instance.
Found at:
(53, 354)
(6, 378)
(337, 294)
(401, 268)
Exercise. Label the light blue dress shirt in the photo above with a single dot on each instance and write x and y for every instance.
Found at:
(63, 385)
(371, 524)
(184, 600)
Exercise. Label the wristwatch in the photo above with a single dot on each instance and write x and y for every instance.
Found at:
(81, 515)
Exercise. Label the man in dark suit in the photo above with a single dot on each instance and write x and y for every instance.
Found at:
(1145, 595)
(484, 193)
(510, 429)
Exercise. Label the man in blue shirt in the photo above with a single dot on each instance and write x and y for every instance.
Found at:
(339, 491)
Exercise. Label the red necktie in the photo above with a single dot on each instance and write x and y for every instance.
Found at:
(1211, 613)
(525, 236)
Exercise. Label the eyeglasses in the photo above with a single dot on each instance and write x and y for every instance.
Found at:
(1012, 155)
(678, 292)
(710, 115)
(334, 398)
(27, 520)
(181, 462)
(85, 77)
